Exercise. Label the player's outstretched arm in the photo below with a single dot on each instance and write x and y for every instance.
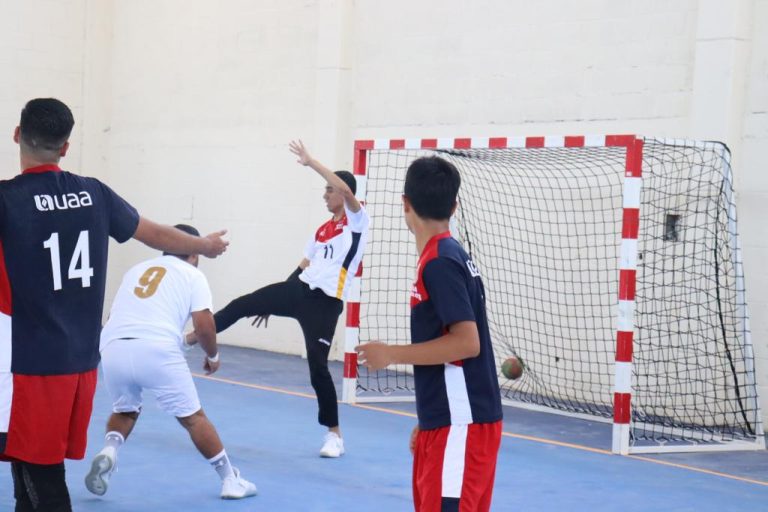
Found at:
(205, 333)
(462, 341)
(298, 149)
(170, 239)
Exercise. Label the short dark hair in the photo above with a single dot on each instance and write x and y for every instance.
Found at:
(45, 125)
(190, 231)
(348, 178)
(432, 185)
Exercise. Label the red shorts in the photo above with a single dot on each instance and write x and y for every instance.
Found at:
(457, 463)
(49, 417)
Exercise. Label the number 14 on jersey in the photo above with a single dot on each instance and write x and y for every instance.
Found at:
(79, 264)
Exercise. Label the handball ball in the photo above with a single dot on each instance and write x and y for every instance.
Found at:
(512, 368)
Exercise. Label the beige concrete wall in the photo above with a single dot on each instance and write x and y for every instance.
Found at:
(688, 69)
(42, 51)
(186, 107)
(752, 187)
(205, 98)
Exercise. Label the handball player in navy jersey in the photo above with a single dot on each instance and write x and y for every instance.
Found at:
(54, 234)
(457, 439)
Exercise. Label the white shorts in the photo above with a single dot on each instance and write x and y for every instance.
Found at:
(131, 366)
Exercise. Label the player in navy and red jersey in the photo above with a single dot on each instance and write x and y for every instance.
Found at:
(458, 403)
(313, 294)
(54, 233)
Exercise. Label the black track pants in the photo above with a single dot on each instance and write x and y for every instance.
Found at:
(40, 487)
(317, 314)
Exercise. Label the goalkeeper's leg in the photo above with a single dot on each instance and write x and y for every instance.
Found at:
(278, 299)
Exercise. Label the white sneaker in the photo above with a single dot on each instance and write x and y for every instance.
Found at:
(97, 479)
(333, 446)
(235, 487)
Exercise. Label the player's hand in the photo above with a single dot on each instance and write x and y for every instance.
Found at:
(298, 149)
(216, 244)
(210, 367)
(190, 339)
(374, 355)
(412, 442)
(261, 319)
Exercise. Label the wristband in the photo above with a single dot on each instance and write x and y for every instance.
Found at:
(214, 359)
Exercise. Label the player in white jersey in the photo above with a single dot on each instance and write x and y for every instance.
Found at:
(141, 350)
(313, 294)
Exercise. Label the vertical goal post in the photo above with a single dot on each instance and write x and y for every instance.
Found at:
(593, 189)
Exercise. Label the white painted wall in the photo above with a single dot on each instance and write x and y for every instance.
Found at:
(186, 107)
(205, 97)
(42, 49)
(752, 187)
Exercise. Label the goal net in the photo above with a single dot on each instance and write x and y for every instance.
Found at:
(614, 313)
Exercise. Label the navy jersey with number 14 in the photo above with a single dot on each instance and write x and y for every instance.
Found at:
(54, 234)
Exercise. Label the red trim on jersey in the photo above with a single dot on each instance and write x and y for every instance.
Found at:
(418, 291)
(5, 286)
(480, 456)
(49, 417)
(330, 229)
(42, 168)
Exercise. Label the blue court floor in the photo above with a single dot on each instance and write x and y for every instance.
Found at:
(265, 412)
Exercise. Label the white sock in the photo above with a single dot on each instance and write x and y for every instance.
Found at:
(222, 465)
(113, 440)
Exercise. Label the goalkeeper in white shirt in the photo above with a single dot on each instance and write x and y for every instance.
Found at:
(314, 293)
(141, 350)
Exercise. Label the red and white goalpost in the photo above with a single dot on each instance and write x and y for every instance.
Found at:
(613, 269)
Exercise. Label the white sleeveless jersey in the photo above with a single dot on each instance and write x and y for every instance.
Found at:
(335, 252)
(155, 301)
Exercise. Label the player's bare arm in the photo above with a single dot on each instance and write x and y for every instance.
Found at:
(205, 334)
(170, 239)
(462, 341)
(298, 149)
